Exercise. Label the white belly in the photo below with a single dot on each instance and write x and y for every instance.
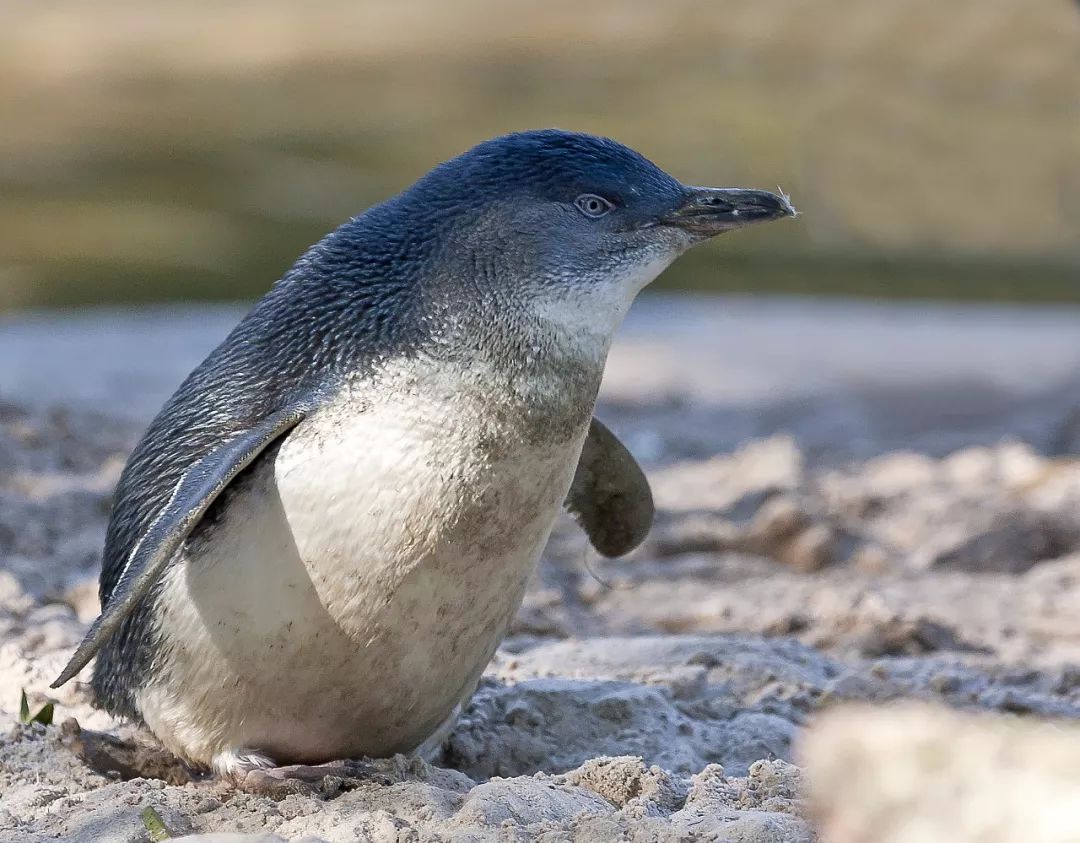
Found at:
(357, 585)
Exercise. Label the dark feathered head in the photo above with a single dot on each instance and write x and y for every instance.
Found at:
(550, 219)
(567, 205)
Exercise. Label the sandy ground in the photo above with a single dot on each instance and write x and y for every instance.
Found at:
(856, 503)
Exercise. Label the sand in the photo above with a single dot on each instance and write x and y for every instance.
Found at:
(834, 529)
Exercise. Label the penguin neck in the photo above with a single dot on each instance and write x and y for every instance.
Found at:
(552, 326)
(545, 353)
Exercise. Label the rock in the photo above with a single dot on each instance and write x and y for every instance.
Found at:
(912, 636)
(811, 550)
(778, 520)
(909, 774)
(734, 482)
(1011, 543)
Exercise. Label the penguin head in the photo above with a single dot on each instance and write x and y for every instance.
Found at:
(550, 211)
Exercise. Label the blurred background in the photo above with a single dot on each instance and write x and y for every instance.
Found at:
(192, 151)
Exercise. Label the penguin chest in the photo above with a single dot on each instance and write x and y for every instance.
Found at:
(413, 523)
(354, 585)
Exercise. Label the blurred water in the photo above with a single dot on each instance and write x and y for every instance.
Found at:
(845, 377)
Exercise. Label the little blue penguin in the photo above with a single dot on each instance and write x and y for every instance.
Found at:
(321, 539)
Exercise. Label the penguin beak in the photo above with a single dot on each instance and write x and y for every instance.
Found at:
(706, 211)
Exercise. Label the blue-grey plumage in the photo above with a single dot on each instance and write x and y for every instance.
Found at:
(390, 430)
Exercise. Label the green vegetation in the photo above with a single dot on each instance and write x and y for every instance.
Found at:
(155, 826)
(44, 714)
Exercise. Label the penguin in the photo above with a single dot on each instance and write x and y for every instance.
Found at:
(321, 539)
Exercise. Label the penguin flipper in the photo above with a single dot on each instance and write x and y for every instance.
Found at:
(199, 486)
(610, 497)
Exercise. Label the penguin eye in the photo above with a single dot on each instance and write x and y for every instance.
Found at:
(592, 205)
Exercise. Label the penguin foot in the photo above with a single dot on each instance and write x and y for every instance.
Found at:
(127, 755)
(278, 782)
(315, 773)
